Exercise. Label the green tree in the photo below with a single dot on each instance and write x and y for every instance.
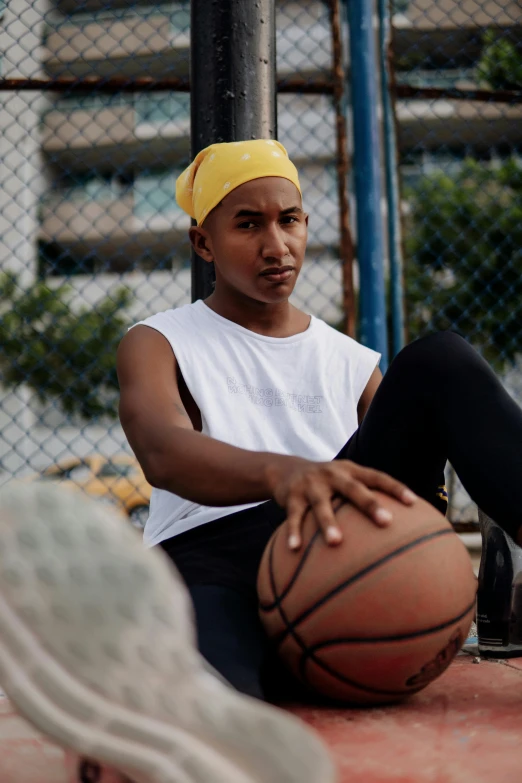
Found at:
(464, 257)
(61, 354)
(500, 65)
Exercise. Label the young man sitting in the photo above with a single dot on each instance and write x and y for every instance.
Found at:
(245, 413)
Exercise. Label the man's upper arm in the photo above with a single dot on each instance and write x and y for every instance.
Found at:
(368, 393)
(150, 405)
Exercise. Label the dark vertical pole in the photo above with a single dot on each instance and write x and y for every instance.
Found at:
(233, 84)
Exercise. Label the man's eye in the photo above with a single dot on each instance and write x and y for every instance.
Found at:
(246, 224)
(289, 219)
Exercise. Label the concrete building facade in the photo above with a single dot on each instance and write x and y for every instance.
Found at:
(87, 185)
(98, 200)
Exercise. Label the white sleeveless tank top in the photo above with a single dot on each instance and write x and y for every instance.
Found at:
(293, 395)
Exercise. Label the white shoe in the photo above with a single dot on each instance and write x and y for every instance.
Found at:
(97, 650)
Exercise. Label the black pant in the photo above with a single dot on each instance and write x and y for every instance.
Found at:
(438, 400)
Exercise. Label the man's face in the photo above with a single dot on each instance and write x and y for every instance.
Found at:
(257, 239)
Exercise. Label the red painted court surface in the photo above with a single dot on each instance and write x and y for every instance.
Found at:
(464, 728)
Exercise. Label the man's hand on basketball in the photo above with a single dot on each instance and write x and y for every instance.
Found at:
(312, 485)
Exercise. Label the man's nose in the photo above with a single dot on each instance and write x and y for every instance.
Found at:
(274, 244)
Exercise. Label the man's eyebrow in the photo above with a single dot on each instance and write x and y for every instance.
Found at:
(247, 213)
(252, 213)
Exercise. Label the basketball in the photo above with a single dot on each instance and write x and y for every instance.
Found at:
(377, 617)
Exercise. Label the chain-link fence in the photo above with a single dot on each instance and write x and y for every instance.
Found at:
(91, 238)
(458, 75)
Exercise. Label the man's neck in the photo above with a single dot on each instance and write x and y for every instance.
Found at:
(272, 320)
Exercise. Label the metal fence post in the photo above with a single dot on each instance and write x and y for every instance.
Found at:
(392, 183)
(233, 83)
(367, 174)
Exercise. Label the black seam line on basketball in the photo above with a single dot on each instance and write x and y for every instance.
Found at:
(271, 570)
(279, 606)
(304, 658)
(397, 638)
(309, 655)
(345, 680)
(270, 607)
(277, 602)
(338, 503)
(359, 575)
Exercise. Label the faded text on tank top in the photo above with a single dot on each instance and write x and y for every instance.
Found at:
(270, 397)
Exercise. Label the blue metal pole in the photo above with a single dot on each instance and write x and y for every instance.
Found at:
(367, 176)
(392, 185)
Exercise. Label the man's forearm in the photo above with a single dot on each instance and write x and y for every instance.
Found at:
(213, 473)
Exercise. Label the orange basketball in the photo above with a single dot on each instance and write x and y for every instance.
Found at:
(379, 616)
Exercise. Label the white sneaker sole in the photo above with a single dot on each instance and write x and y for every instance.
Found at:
(97, 651)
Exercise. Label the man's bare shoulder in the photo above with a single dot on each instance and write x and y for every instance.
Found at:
(143, 336)
(144, 351)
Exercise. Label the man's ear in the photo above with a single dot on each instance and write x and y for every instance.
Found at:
(201, 243)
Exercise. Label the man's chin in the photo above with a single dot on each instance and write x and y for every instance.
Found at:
(276, 294)
(274, 300)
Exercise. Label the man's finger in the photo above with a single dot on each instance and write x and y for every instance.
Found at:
(321, 503)
(296, 510)
(376, 479)
(366, 501)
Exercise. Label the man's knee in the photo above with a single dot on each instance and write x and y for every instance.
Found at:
(436, 342)
(435, 351)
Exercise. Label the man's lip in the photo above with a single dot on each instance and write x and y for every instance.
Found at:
(277, 270)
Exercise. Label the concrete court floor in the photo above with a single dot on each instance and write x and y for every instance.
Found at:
(464, 728)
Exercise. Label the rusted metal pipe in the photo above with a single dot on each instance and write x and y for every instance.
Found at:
(451, 93)
(96, 84)
(309, 86)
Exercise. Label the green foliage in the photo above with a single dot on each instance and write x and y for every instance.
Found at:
(500, 65)
(464, 257)
(58, 353)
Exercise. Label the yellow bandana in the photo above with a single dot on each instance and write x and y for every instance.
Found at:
(220, 168)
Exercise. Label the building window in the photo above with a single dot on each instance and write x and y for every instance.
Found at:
(95, 187)
(179, 17)
(178, 14)
(155, 194)
(57, 261)
(444, 78)
(93, 102)
(162, 107)
(417, 164)
(157, 108)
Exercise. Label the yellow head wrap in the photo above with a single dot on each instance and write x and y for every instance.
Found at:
(220, 168)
